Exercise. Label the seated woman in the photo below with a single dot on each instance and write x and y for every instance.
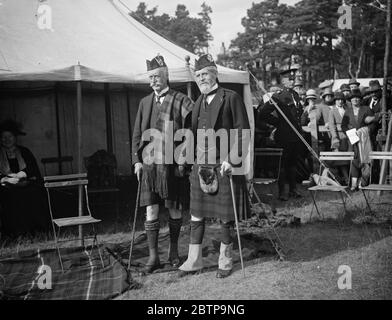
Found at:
(22, 199)
(359, 116)
(339, 140)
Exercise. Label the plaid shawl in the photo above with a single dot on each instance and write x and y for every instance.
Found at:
(175, 107)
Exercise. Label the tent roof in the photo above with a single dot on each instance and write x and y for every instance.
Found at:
(109, 45)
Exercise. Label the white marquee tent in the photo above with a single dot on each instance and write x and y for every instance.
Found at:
(48, 46)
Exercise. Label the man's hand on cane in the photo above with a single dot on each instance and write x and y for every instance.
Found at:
(226, 169)
(138, 170)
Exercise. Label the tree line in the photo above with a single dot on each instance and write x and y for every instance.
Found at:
(275, 33)
(308, 32)
(191, 33)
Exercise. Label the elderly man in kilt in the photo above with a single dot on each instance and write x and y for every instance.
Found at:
(215, 110)
(161, 183)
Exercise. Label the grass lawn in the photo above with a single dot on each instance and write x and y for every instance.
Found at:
(314, 252)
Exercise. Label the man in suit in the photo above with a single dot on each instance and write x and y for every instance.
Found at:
(289, 102)
(216, 110)
(161, 181)
(375, 104)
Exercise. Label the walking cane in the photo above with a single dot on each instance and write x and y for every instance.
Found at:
(236, 223)
(134, 225)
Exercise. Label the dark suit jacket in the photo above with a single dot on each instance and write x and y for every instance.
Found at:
(229, 112)
(349, 122)
(288, 100)
(143, 118)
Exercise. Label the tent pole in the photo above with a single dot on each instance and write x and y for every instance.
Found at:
(189, 84)
(383, 171)
(129, 120)
(56, 97)
(79, 130)
(108, 112)
(189, 89)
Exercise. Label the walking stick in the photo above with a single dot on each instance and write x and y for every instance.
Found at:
(134, 225)
(236, 223)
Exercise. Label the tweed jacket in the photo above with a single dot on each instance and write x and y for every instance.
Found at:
(228, 112)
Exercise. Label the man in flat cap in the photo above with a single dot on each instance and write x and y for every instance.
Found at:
(217, 109)
(289, 102)
(161, 183)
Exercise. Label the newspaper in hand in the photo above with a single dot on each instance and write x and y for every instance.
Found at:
(352, 136)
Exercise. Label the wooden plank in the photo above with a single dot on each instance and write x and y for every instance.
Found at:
(66, 184)
(336, 153)
(330, 158)
(66, 177)
(376, 157)
(380, 153)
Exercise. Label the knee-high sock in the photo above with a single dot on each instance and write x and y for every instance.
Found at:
(174, 229)
(197, 232)
(152, 230)
(225, 232)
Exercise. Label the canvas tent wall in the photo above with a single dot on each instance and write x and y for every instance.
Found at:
(95, 42)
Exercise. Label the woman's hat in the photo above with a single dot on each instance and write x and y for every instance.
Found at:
(298, 83)
(311, 94)
(355, 94)
(353, 81)
(12, 126)
(374, 87)
(327, 91)
(339, 96)
(344, 87)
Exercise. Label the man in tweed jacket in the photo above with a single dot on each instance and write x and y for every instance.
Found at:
(217, 109)
(161, 182)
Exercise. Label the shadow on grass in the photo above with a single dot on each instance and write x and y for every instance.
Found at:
(320, 239)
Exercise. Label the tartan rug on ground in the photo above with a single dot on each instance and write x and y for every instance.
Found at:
(25, 276)
(254, 246)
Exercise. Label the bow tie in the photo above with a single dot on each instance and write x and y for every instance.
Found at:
(161, 95)
(211, 92)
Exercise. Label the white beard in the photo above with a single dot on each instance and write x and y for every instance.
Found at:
(205, 88)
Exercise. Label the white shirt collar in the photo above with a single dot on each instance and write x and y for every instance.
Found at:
(157, 96)
(210, 97)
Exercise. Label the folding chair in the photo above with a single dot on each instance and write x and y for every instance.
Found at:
(376, 155)
(331, 156)
(71, 181)
(60, 161)
(274, 156)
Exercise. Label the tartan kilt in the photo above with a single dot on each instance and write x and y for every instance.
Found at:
(178, 193)
(219, 205)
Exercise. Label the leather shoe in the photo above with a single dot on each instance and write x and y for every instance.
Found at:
(175, 262)
(148, 269)
(181, 273)
(221, 274)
